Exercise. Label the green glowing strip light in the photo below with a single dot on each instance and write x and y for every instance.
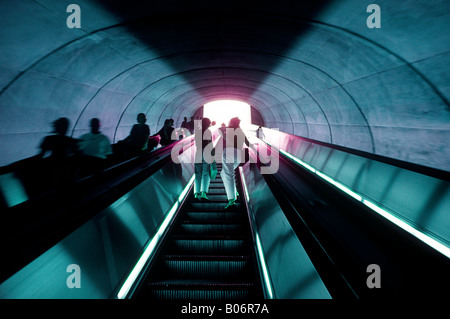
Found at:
(258, 245)
(148, 251)
(264, 266)
(443, 249)
(245, 184)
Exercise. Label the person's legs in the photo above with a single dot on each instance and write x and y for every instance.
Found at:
(230, 163)
(205, 181)
(198, 169)
(227, 175)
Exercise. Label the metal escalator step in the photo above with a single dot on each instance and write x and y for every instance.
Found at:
(195, 216)
(209, 228)
(207, 257)
(205, 289)
(217, 191)
(217, 181)
(218, 185)
(213, 198)
(183, 245)
(206, 267)
(213, 206)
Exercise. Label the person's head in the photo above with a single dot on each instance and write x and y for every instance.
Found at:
(172, 122)
(95, 125)
(234, 122)
(141, 119)
(167, 122)
(206, 122)
(185, 118)
(61, 125)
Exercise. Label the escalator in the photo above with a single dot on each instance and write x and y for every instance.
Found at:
(208, 253)
(306, 240)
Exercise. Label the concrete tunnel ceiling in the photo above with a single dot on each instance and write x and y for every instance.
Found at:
(313, 70)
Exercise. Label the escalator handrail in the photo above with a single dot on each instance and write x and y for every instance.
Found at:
(418, 168)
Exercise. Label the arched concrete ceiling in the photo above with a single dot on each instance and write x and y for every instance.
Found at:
(314, 70)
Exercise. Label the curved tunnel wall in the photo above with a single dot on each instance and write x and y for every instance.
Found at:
(315, 71)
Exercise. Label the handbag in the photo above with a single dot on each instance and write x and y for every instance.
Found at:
(213, 170)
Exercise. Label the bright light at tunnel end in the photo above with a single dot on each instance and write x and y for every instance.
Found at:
(223, 110)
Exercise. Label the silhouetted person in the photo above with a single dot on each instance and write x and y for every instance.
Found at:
(185, 127)
(184, 124)
(191, 125)
(59, 145)
(95, 143)
(165, 133)
(203, 159)
(63, 153)
(233, 139)
(95, 146)
(138, 138)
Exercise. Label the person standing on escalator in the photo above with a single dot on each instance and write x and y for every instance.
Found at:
(136, 142)
(233, 139)
(165, 133)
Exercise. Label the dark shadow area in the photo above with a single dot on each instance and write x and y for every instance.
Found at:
(217, 35)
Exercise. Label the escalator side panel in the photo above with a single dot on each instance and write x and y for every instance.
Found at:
(292, 274)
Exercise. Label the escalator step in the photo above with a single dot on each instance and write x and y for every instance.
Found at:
(210, 228)
(208, 215)
(199, 268)
(176, 289)
(197, 205)
(208, 246)
(216, 198)
(216, 186)
(217, 181)
(207, 257)
(212, 198)
(217, 191)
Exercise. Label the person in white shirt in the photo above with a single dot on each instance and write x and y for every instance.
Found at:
(95, 145)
